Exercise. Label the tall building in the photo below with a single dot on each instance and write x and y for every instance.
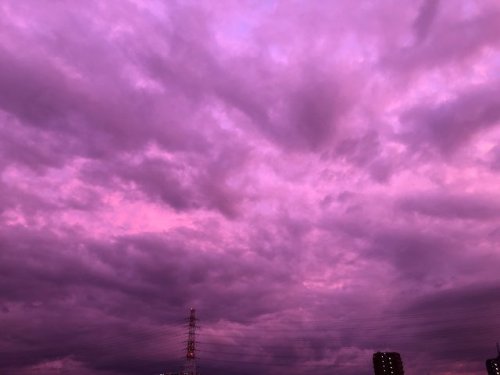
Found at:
(493, 365)
(387, 363)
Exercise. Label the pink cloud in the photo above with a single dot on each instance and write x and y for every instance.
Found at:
(318, 179)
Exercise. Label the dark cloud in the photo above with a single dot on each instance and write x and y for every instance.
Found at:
(317, 179)
(449, 206)
(414, 255)
(446, 322)
(452, 123)
(190, 183)
(455, 41)
(365, 152)
(425, 18)
(109, 283)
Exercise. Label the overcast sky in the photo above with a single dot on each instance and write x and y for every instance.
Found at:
(319, 179)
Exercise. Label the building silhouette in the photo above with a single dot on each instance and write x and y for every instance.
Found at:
(387, 363)
(493, 365)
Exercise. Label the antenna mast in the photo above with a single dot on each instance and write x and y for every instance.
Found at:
(190, 364)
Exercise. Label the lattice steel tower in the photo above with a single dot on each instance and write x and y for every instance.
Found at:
(190, 364)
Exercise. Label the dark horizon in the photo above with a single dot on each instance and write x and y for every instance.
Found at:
(319, 179)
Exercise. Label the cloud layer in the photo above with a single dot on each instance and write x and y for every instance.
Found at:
(319, 179)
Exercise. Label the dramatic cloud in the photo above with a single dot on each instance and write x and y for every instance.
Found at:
(452, 123)
(319, 179)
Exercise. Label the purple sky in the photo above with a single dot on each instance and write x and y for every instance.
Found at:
(320, 179)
